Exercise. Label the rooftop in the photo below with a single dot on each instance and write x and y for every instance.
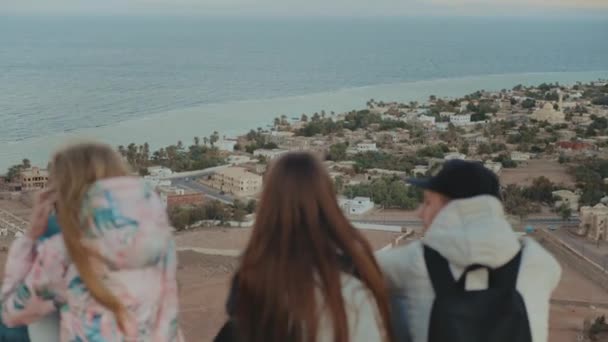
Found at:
(236, 172)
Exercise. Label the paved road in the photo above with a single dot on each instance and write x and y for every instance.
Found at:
(415, 222)
(598, 254)
(196, 186)
(197, 173)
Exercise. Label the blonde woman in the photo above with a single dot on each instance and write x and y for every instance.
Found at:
(111, 271)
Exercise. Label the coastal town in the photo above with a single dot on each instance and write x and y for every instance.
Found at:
(547, 143)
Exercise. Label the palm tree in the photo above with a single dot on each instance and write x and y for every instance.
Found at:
(215, 137)
(26, 163)
(146, 153)
(122, 151)
(304, 118)
(197, 141)
(205, 140)
(283, 120)
(277, 122)
(131, 153)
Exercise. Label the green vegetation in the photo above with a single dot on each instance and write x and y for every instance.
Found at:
(528, 103)
(13, 172)
(599, 126)
(596, 330)
(589, 175)
(176, 157)
(353, 121)
(184, 216)
(506, 161)
(600, 101)
(540, 191)
(257, 140)
(480, 112)
(491, 148)
(565, 212)
(516, 203)
(337, 152)
(525, 135)
(442, 106)
(387, 192)
(382, 160)
(433, 151)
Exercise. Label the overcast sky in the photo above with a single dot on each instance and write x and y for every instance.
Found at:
(307, 7)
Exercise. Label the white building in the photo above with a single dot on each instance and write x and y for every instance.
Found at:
(159, 171)
(442, 126)
(495, 167)
(420, 170)
(154, 181)
(269, 154)
(463, 106)
(237, 181)
(425, 119)
(455, 155)
(237, 160)
(226, 145)
(566, 197)
(520, 156)
(356, 206)
(446, 114)
(366, 147)
(461, 120)
(279, 137)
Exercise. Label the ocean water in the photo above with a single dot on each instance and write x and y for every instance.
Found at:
(162, 79)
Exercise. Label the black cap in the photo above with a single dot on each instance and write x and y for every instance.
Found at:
(460, 179)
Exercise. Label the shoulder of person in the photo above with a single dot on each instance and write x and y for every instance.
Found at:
(409, 256)
(538, 262)
(360, 304)
(54, 246)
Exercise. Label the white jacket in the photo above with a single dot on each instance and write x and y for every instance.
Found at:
(465, 232)
(364, 323)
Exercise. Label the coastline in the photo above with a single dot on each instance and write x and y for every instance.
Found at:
(161, 129)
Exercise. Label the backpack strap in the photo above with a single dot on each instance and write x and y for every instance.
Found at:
(439, 271)
(443, 281)
(506, 275)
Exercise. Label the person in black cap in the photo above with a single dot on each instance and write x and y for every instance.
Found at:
(458, 179)
(465, 224)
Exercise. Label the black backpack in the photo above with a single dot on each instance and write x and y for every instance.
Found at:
(496, 314)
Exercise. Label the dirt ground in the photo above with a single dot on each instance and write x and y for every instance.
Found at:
(526, 172)
(203, 298)
(236, 238)
(204, 282)
(17, 208)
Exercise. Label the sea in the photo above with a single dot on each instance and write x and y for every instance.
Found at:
(163, 79)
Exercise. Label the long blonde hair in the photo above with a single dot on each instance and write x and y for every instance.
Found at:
(73, 170)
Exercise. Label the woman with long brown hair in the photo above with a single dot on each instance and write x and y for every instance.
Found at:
(307, 275)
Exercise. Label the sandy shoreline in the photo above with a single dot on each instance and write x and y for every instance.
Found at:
(166, 128)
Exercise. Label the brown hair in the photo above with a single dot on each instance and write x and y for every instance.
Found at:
(73, 170)
(294, 253)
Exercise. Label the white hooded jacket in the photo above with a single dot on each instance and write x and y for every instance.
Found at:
(466, 232)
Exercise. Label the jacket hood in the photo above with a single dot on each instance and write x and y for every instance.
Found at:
(473, 231)
(126, 223)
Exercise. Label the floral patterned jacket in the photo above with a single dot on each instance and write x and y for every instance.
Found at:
(125, 221)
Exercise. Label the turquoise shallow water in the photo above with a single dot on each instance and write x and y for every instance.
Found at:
(231, 118)
(164, 79)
